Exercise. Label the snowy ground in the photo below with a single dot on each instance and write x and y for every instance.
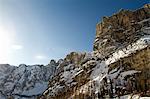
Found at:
(132, 97)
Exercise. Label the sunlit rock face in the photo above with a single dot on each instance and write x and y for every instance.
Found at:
(138, 61)
(70, 75)
(24, 81)
(118, 65)
(120, 30)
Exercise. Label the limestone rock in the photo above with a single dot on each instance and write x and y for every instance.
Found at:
(120, 30)
(118, 65)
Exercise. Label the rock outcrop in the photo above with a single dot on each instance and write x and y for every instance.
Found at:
(120, 30)
(118, 65)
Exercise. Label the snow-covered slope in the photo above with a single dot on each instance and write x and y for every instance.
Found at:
(25, 80)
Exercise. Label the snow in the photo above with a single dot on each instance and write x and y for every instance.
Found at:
(24, 79)
(101, 69)
(140, 44)
(5, 70)
(36, 90)
(114, 73)
(97, 39)
(69, 73)
(78, 73)
(55, 89)
(130, 72)
(144, 97)
(147, 28)
(126, 97)
(89, 63)
(2, 96)
(145, 20)
(136, 96)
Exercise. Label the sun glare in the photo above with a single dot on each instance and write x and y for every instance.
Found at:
(5, 43)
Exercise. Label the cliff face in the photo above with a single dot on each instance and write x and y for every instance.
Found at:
(120, 30)
(139, 61)
(24, 81)
(118, 65)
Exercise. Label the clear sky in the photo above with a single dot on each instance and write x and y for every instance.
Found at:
(35, 31)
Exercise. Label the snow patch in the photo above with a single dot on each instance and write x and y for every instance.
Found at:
(36, 90)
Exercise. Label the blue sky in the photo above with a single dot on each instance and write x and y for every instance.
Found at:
(35, 31)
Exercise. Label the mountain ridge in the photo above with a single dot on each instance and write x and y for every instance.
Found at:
(118, 65)
(111, 68)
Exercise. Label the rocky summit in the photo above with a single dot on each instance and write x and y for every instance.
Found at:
(120, 30)
(118, 66)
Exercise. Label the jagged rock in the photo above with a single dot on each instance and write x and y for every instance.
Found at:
(70, 75)
(119, 30)
(52, 62)
(24, 81)
(75, 57)
(118, 65)
(138, 61)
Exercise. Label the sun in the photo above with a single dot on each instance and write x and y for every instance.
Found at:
(5, 43)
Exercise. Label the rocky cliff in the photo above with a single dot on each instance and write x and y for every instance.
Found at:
(118, 65)
(24, 81)
(120, 30)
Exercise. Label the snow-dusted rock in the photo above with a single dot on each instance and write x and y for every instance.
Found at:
(26, 81)
(118, 65)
